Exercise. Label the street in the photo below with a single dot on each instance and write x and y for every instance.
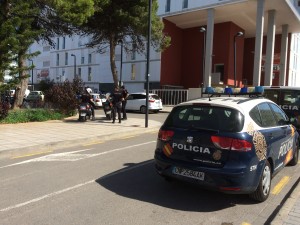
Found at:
(114, 182)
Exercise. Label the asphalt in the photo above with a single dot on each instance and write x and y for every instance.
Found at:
(41, 137)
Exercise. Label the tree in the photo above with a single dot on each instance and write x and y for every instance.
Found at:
(25, 21)
(119, 20)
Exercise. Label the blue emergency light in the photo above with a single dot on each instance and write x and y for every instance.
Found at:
(257, 90)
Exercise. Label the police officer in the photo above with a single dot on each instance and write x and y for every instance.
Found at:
(124, 101)
(116, 97)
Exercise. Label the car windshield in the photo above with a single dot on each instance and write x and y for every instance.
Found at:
(206, 117)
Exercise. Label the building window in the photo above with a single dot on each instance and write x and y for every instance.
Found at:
(57, 43)
(82, 60)
(90, 58)
(46, 49)
(66, 58)
(168, 6)
(79, 72)
(185, 4)
(64, 43)
(133, 73)
(57, 59)
(46, 63)
(90, 74)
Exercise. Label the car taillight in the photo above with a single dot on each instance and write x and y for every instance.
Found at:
(151, 100)
(165, 135)
(97, 100)
(231, 143)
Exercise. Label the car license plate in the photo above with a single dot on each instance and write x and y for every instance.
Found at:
(82, 114)
(188, 173)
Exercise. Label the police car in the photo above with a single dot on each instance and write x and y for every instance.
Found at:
(288, 98)
(233, 144)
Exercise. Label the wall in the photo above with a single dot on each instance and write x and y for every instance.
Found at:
(171, 58)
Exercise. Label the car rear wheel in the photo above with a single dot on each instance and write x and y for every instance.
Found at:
(143, 109)
(263, 190)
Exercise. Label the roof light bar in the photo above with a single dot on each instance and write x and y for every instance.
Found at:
(257, 90)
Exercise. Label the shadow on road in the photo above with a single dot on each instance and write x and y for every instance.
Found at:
(141, 182)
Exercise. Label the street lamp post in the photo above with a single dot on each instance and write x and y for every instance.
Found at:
(32, 88)
(74, 65)
(121, 43)
(238, 34)
(148, 63)
(203, 30)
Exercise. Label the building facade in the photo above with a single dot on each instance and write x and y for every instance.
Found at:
(214, 42)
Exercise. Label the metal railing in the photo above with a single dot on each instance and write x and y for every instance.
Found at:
(171, 96)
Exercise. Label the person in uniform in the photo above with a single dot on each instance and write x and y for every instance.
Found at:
(116, 97)
(124, 101)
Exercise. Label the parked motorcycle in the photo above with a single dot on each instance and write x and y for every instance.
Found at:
(85, 111)
(107, 109)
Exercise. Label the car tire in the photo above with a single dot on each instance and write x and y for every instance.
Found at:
(295, 158)
(143, 109)
(263, 190)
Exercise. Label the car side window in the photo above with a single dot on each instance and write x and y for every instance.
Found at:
(290, 97)
(130, 97)
(267, 116)
(280, 116)
(255, 115)
(140, 96)
(273, 95)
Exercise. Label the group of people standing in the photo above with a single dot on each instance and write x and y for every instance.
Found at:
(119, 100)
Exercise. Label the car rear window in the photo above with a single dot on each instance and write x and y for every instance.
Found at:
(156, 97)
(206, 117)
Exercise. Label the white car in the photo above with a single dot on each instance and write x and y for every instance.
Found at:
(35, 96)
(98, 99)
(137, 102)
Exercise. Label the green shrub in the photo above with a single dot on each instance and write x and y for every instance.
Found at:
(31, 115)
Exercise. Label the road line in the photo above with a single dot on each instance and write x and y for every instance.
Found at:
(46, 196)
(280, 185)
(39, 159)
(71, 188)
(33, 154)
(93, 143)
(127, 137)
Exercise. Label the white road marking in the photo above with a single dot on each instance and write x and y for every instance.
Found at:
(68, 189)
(72, 156)
(46, 196)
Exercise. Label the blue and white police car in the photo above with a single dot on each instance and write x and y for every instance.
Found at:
(233, 144)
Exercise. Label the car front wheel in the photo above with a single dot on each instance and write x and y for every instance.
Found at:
(263, 190)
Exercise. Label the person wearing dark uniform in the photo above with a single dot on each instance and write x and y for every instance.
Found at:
(124, 101)
(116, 104)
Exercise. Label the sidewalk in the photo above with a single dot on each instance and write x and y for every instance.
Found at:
(37, 137)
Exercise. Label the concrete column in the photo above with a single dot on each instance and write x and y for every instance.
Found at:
(209, 46)
(270, 48)
(283, 54)
(258, 42)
